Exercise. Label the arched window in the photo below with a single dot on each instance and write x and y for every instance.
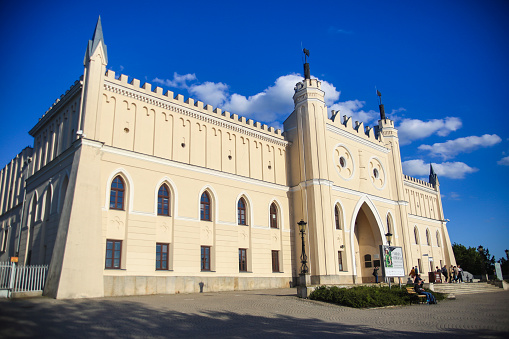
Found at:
(163, 200)
(241, 212)
(47, 205)
(337, 217)
(117, 193)
(428, 239)
(416, 235)
(63, 191)
(205, 207)
(273, 216)
(438, 239)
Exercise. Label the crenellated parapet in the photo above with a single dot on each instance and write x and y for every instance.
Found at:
(356, 128)
(196, 109)
(418, 182)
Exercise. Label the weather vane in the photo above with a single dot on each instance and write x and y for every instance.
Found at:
(307, 74)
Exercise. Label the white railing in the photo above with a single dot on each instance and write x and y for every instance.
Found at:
(20, 278)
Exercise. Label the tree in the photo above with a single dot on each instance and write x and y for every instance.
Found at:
(473, 260)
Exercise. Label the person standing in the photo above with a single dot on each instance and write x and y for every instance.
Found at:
(444, 272)
(412, 273)
(460, 274)
(375, 274)
(450, 273)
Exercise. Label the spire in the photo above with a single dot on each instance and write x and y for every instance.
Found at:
(381, 106)
(433, 178)
(97, 39)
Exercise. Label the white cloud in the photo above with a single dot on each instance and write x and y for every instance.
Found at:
(271, 105)
(451, 148)
(210, 92)
(414, 129)
(178, 81)
(452, 170)
(504, 161)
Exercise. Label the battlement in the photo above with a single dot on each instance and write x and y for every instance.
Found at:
(418, 181)
(358, 128)
(315, 83)
(179, 99)
(57, 104)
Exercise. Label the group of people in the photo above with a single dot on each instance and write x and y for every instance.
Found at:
(452, 275)
(418, 286)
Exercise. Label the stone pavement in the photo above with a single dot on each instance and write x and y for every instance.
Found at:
(249, 314)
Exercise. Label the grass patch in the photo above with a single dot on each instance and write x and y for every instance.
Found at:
(365, 296)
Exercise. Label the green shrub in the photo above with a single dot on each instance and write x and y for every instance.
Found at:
(364, 296)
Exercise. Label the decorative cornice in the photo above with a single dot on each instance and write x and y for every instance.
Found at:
(425, 219)
(152, 100)
(419, 187)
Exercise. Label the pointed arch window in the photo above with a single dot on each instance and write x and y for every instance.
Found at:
(241, 212)
(428, 238)
(117, 193)
(163, 200)
(205, 207)
(273, 216)
(416, 235)
(337, 217)
(438, 239)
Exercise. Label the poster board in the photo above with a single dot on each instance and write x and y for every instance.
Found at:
(392, 261)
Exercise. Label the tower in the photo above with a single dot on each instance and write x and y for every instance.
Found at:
(309, 177)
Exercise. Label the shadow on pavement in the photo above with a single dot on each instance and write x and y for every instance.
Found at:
(106, 318)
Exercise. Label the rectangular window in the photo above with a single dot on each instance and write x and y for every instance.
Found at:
(162, 256)
(419, 265)
(113, 254)
(205, 258)
(340, 260)
(242, 260)
(275, 261)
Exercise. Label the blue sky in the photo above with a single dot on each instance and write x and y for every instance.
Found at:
(442, 68)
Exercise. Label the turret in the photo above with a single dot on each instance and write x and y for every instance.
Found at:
(433, 178)
(95, 61)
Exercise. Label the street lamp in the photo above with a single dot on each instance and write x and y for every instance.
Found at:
(388, 236)
(483, 263)
(303, 257)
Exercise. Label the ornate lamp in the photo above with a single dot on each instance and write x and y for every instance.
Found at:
(303, 257)
(388, 236)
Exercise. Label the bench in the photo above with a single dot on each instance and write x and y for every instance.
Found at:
(420, 298)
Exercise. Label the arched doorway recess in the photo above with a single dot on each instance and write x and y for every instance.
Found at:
(367, 236)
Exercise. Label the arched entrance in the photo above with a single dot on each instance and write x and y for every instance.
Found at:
(367, 237)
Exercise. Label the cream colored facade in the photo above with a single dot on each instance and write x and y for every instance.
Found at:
(106, 126)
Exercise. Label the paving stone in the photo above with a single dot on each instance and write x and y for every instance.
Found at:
(249, 314)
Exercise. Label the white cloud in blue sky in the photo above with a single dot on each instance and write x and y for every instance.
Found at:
(414, 129)
(504, 161)
(452, 170)
(451, 148)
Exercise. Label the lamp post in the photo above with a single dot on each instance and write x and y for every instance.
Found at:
(484, 276)
(302, 290)
(303, 257)
(388, 236)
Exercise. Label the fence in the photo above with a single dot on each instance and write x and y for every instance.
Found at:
(20, 278)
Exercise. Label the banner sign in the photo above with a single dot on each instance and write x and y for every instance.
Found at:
(392, 261)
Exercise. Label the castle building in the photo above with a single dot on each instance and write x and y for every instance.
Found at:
(129, 190)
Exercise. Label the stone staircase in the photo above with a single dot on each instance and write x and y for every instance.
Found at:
(466, 288)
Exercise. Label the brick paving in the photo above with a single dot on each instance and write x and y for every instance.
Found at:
(249, 314)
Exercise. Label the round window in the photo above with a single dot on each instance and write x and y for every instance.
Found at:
(375, 173)
(342, 162)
